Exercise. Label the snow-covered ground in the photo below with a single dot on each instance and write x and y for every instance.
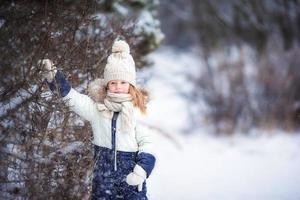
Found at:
(263, 166)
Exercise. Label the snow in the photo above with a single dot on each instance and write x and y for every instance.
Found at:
(214, 168)
(2, 22)
(71, 147)
(263, 165)
(150, 26)
(14, 102)
(166, 89)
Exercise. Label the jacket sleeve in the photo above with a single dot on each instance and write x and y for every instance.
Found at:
(81, 104)
(145, 158)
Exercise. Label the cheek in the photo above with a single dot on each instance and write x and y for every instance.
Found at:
(127, 88)
(110, 88)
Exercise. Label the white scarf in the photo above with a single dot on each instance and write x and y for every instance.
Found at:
(119, 102)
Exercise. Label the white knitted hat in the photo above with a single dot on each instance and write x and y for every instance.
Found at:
(120, 64)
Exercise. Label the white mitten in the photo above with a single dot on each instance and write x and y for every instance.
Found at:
(137, 177)
(48, 68)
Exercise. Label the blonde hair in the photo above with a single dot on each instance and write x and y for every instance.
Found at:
(140, 98)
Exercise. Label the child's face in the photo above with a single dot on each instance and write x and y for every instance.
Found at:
(118, 86)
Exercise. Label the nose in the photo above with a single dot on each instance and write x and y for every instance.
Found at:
(118, 85)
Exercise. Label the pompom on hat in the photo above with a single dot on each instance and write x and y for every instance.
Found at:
(120, 64)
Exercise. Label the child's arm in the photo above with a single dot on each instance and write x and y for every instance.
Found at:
(79, 103)
(145, 158)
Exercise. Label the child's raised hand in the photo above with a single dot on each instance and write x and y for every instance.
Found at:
(48, 68)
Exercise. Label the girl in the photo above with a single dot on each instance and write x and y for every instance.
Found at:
(122, 148)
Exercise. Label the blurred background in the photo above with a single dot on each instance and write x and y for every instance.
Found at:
(224, 83)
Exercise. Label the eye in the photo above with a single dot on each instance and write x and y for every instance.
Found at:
(112, 82)
(123, 82)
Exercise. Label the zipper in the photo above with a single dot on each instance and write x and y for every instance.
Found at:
(113, 134)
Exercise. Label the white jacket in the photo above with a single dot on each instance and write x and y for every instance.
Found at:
(139, 140)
